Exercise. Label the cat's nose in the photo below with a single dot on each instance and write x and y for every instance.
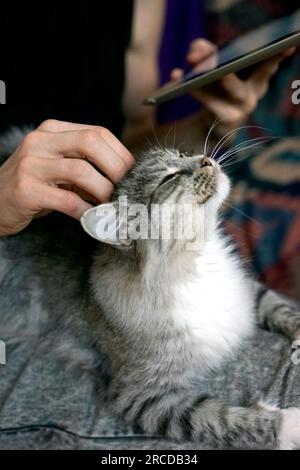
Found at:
(205, 162)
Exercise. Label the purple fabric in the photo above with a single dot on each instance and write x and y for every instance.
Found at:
(184, 22)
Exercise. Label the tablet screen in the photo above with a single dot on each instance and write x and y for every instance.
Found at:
(257, 39)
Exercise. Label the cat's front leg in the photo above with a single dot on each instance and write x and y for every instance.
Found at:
(276, 313)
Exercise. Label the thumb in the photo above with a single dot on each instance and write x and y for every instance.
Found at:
(176, 75)
(200, 49)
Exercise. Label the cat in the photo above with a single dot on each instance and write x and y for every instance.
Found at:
(160, 311)
(168, 314)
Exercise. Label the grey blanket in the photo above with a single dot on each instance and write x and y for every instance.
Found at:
(47, 404)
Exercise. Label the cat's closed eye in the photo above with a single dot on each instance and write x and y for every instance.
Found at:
(169, 177)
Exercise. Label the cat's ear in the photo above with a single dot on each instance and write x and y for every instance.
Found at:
(104, 223)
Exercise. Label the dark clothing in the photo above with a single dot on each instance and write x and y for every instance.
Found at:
(184, 22)
(64, 61)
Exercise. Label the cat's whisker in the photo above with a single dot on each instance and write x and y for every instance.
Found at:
(167, 135)
(240, 146)
(174, 136)
(180, 145)
(222, 141)
(148, 141)
(156, 138)
(228, 167)
(232, 154)
(214, 125)
(227, 137)
(230, 162)
(247, 142)
(223, 162)
(241, 212)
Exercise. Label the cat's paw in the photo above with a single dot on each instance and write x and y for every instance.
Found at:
(289, 436)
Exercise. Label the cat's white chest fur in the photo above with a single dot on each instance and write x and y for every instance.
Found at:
(215, 307)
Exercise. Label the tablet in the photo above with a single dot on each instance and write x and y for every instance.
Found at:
(249, 49)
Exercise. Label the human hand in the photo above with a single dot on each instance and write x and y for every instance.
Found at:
(231, 99)
(59, 166)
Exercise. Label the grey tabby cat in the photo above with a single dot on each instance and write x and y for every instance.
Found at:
(167, 314)
(161, 314)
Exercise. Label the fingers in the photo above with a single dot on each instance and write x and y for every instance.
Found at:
(200, 49)
(263, 73)
(233, 99)
(289, 52)
(61, 200)
(176, 74)
(201, 56)
(225, 109)
(235, 88)
(75, 172)
(31, 197)
(54, 169)
(52, 125)
(85, 144)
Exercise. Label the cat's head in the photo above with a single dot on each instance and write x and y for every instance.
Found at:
(168, 195)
